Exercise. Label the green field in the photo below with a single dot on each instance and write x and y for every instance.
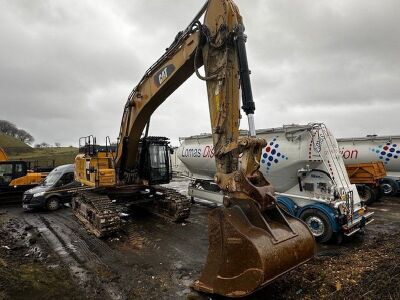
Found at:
(46, 156)
(17, 150)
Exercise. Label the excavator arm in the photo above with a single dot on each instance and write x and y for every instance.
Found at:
(251, 242)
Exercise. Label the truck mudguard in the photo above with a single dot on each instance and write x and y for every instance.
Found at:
(288, 203)
(327, 210)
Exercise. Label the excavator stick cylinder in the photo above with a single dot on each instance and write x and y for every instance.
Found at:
(249, 249)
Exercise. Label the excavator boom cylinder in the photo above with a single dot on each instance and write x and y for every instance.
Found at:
(247, 94)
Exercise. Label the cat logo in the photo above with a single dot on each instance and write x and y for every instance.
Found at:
(161, 76)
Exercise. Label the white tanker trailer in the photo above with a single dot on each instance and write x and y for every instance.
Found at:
(304, 165)
(375, 148)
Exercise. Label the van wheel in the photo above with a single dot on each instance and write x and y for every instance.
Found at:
(53, 204)
(367, 194)
(319, 224)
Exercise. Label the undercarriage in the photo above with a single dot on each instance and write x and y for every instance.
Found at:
(98, 209)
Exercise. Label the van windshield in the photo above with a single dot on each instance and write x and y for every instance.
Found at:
(52, 178)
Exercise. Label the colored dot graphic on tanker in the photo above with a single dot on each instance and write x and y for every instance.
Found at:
(387, 152)
(272, 154)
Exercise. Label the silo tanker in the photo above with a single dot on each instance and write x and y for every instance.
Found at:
(304, 165)
(374, 148)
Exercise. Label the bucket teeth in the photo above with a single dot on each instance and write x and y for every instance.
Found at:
(247, 251)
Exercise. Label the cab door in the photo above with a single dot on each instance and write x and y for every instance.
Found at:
(159, 164)
(20, 170)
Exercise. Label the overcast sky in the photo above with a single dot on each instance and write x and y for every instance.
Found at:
(67, 67)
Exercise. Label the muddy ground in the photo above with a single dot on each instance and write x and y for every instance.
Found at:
(50, 255)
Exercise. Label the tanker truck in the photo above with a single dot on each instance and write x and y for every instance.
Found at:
(304, 165)
(373, 148)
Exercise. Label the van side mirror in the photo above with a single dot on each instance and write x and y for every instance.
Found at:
(171, 151)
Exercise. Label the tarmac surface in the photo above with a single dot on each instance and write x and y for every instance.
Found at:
(51, 255)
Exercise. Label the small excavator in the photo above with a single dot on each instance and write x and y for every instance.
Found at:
(251, 241)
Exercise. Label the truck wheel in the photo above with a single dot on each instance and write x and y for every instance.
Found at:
(389, 187)
(367, 194)
(53, 204)
(319, 224)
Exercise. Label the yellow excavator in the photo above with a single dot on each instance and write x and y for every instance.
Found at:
(16, 178)
(251, 241)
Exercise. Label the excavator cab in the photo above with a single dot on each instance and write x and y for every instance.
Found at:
(154, 162)
(10, 170)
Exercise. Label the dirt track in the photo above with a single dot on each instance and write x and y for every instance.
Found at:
(49, 255)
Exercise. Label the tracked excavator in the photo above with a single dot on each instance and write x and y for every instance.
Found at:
(251, 241)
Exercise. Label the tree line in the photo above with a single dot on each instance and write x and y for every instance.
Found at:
(10, 129)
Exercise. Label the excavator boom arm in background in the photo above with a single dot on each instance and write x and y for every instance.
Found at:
(251, 242)
(3, 155)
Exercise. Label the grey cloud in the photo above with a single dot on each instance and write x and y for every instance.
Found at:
(67, 67)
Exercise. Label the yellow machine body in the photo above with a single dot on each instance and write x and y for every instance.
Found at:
(31, 178)
(95, 170)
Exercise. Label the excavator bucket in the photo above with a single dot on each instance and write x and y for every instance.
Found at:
(249, 249)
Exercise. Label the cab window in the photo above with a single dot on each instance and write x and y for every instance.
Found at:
(5, 174)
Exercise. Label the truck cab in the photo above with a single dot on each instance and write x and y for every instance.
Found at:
(53, 192)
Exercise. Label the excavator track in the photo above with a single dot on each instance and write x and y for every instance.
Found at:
(97, 212)
(170, 204)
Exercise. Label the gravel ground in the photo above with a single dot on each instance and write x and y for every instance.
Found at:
(50, 255)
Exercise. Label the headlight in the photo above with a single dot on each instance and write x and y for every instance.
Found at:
(38, 194)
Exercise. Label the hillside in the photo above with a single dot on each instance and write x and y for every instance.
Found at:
(17, 150)
(12, 145)
(45, 156)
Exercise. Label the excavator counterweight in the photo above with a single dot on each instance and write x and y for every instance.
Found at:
(251, 242)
